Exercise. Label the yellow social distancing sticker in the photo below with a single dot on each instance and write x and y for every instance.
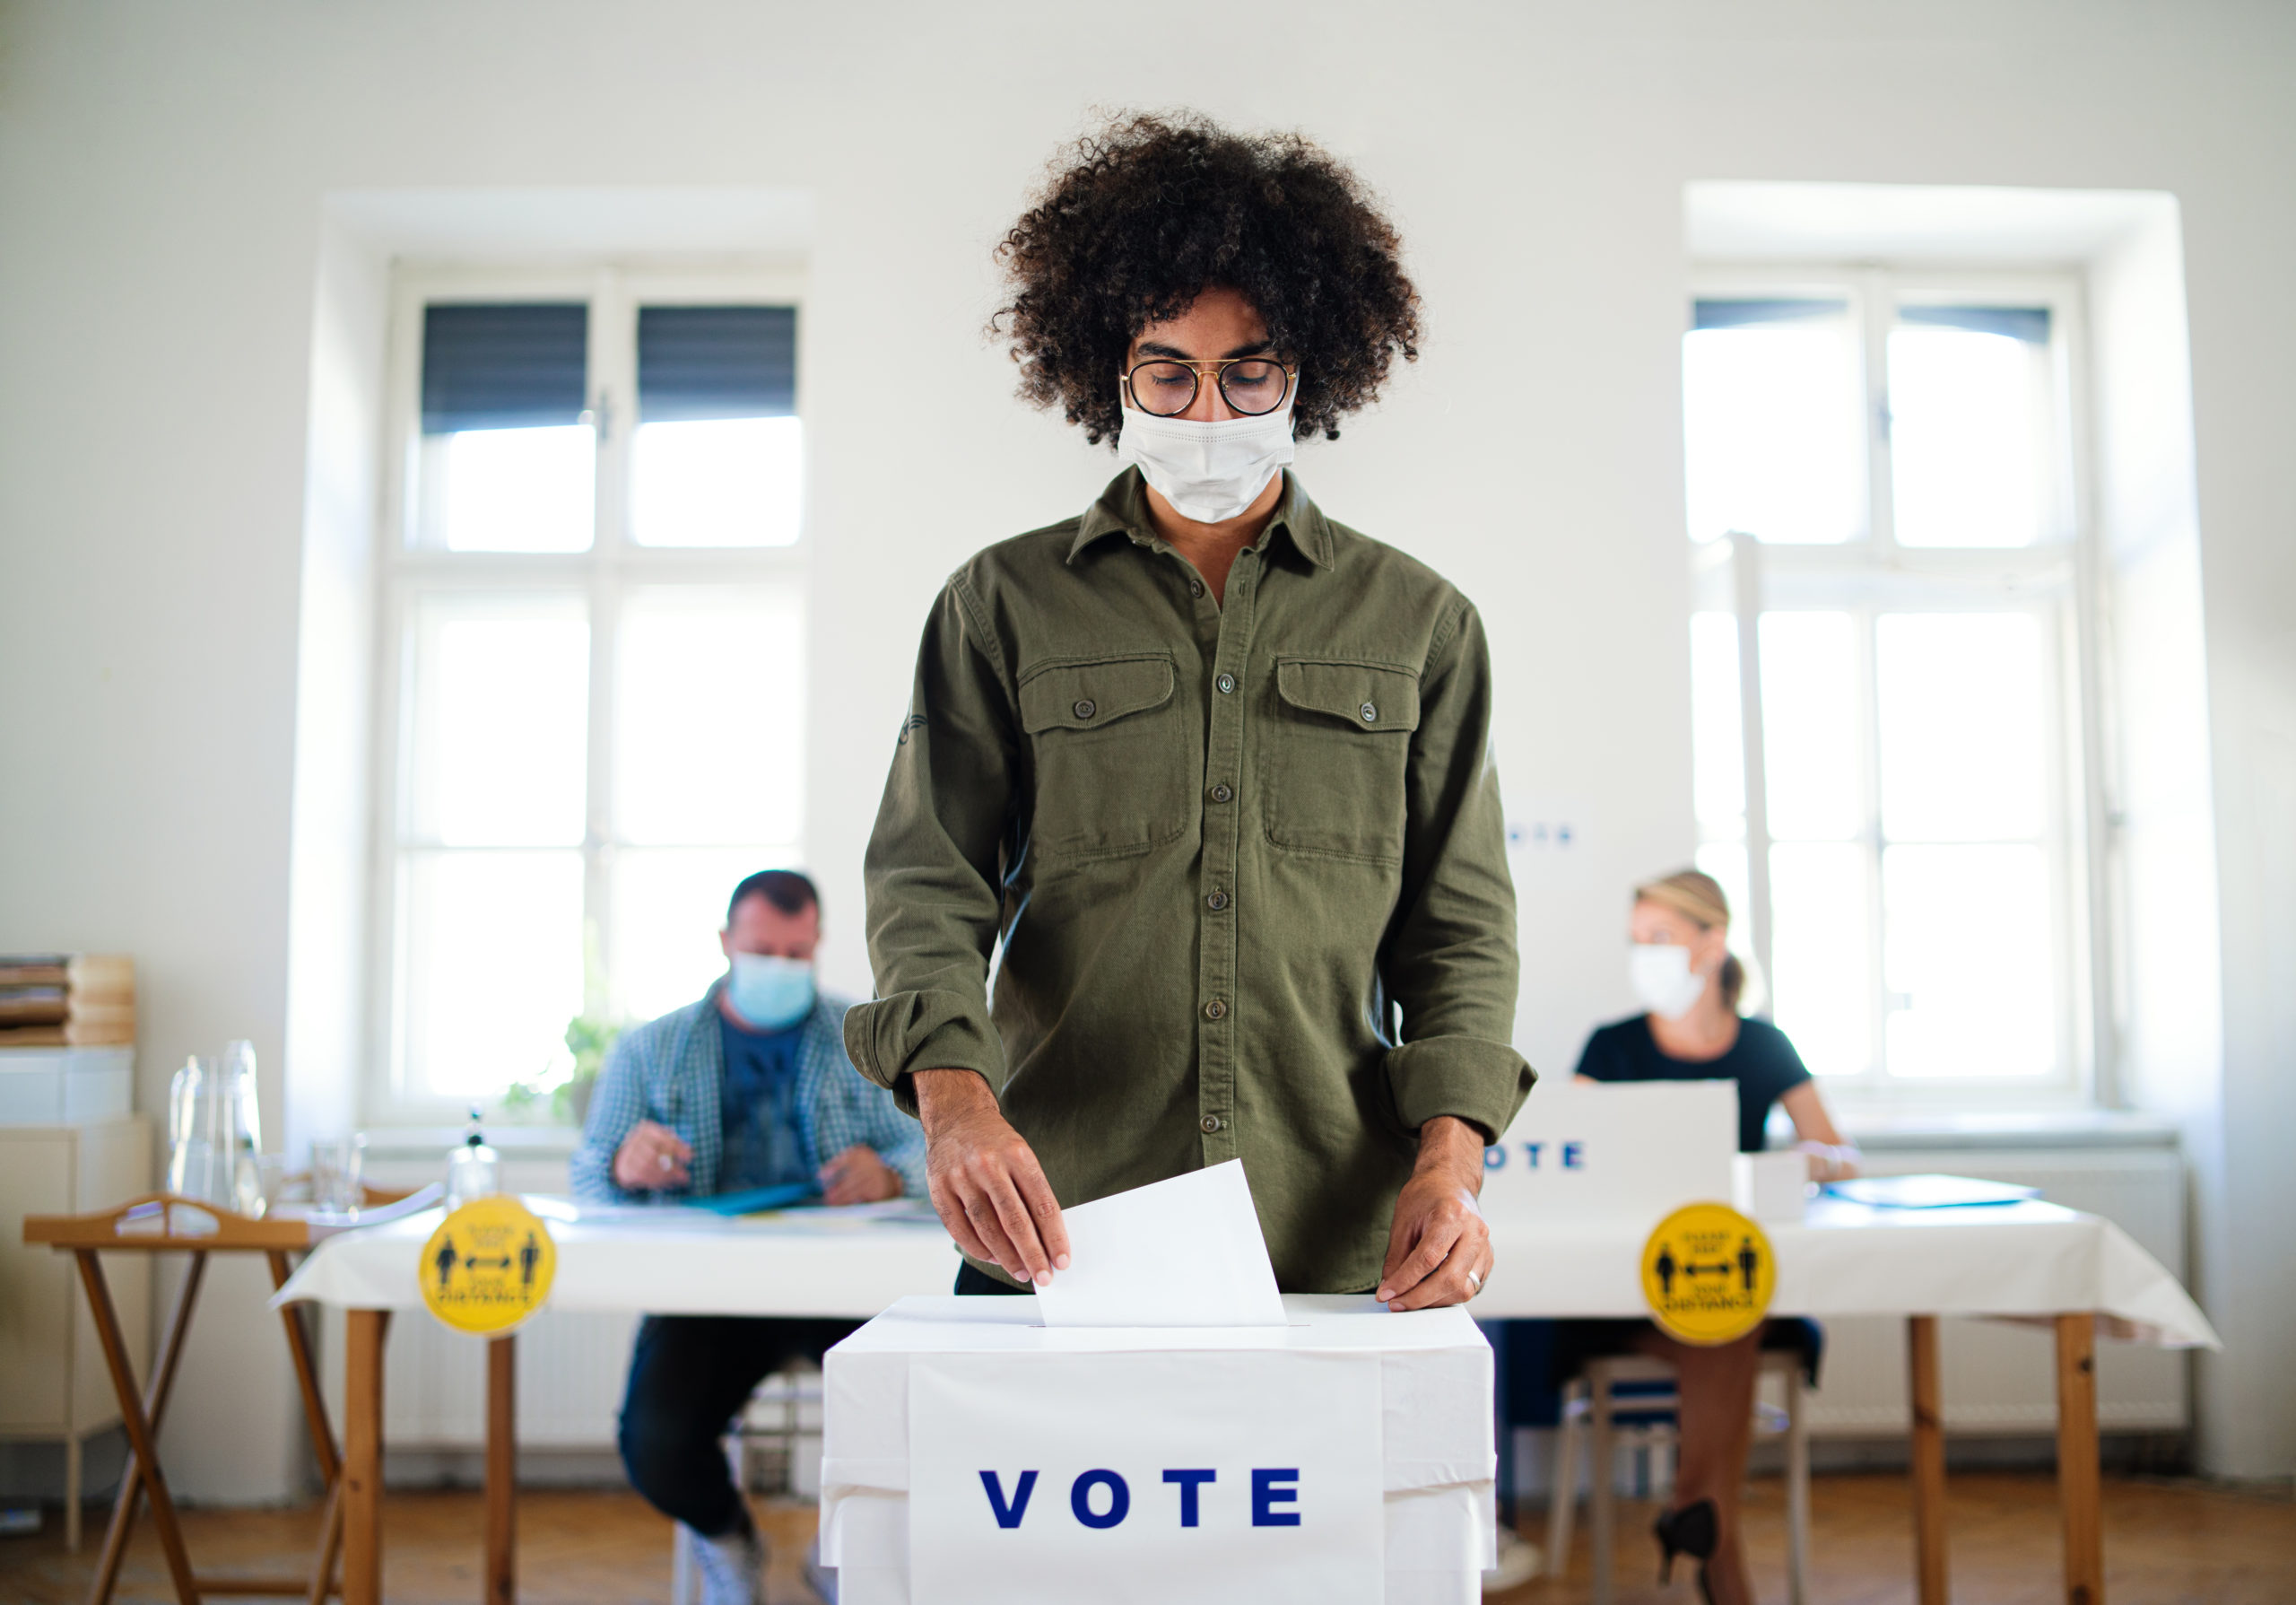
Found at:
(488, 1266)
(1707, 1273)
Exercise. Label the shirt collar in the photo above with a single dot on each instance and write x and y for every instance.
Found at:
(1123, 509)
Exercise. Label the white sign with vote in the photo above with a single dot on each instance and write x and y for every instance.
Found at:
(1626, 1151)
(1208, 1476)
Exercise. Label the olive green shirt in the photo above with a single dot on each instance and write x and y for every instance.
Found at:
(1247, 861)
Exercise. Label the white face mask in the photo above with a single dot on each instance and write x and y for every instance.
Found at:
(1663, 979)
(1208, 472)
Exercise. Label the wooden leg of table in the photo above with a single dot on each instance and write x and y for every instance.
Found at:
(1929, 1461)
(307, 1374)
(155, 1406)
(73, 1453)
(362, 1456)
(2076, 1459)
(1602, 1513)
(502, 1471)
(330, 1546)
(140, 1436)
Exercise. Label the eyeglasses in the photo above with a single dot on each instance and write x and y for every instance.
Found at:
(1252, 386)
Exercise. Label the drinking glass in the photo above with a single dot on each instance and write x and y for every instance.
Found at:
(337, 1165)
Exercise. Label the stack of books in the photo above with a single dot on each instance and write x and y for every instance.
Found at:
(67, 1000)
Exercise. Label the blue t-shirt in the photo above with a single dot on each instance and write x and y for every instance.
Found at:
(1761, 1061)
(758, 1109)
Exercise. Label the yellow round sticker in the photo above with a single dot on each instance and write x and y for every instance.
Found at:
(1707, 1273)
(488, 1266)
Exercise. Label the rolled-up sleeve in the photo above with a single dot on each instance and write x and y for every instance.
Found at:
(1451, 962)
(935, 863)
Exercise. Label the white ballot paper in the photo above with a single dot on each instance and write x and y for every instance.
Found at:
(1183, 1253)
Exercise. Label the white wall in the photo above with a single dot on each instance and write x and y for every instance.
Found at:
(163, 178)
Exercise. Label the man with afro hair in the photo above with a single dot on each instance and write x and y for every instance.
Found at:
(1213, 767)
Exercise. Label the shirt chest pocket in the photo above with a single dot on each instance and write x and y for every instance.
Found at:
(1113, 767)
(1339, 757)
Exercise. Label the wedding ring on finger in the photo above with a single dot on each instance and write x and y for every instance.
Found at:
(1474, 1284)
(663, 1160)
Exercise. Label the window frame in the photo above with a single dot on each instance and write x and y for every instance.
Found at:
(614, 570)
(2053, 580)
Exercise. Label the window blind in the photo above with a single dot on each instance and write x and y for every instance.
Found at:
(495, 366)
(700, 362)
(2028, 324)
(1739, 314)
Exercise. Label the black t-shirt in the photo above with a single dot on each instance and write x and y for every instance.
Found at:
(1761, 1061)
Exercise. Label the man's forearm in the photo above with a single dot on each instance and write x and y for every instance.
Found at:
(943, 1095)
(1451, 1147)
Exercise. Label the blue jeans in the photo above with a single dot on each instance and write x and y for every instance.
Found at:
(689, 1375)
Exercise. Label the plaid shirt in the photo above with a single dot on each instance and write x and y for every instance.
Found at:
(672, 1071)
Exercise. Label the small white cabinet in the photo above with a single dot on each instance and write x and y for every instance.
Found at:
(54, 1385)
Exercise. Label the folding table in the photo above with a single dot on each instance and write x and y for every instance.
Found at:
(2029, 1261)
(163, 1223)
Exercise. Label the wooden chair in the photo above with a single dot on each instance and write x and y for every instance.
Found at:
(1590, 1409)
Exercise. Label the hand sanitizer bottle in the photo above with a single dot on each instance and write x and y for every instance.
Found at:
(473, 1171)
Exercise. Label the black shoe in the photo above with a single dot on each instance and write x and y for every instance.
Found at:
(1691, 1530)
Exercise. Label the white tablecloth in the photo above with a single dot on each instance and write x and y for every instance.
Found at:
(2020, 1260)
(2013, 1259)
(683, 1262)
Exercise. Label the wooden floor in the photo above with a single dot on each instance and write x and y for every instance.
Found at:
(2165, 1543)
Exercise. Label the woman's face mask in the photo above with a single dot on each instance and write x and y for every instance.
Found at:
(768, 992)
(1663, 979)
(1209, 472)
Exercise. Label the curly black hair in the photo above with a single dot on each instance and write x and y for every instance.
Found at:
(1143, 215)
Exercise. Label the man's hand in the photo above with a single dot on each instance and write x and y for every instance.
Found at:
(858, 1176)
(651, 1158)
(985, 1182)
(1438, 1251)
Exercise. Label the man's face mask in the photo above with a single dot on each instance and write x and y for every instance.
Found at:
(1208, 471)
(770, 993)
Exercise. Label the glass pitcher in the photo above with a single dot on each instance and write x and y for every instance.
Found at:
(239, 1161)
(195, 1127)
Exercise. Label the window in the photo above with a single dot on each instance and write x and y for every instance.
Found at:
(1891, 772)
(596, 658)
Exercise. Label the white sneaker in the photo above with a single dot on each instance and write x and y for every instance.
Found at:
(1520, 1561)
(733, 1567)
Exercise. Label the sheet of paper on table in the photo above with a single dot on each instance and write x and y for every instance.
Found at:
(1183, 1253)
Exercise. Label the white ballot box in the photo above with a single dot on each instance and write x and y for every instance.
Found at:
(1630, 1152)
(972, 1455)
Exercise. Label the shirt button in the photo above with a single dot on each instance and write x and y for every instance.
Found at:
(1210, 1122)
(1216, 902)
(1221, 793)
(1370, 713)
(1226, 682)
(1196, 588)
(1085, 708)
(1217, 1009)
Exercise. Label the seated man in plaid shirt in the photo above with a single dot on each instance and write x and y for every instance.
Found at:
(749, 1087)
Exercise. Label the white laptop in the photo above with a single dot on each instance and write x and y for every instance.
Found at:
(1625, 1152)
